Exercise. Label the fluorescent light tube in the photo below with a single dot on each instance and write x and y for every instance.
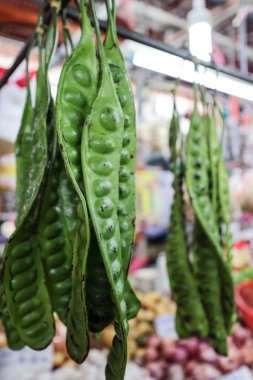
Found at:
(176, 67)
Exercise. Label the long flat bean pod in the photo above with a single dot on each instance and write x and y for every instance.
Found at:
(213, 153)
(66, 34)
(77, 90)
(126, 209)
(98, 296)
(127, 160)
(57, 225)
(77, 319)
(226, 239)
(218, 194)
(13, 340)
(197, 177)
(224, 203)
(224, 197)
(31, 145)
(191, 318)
(198, 187)
(26, 295)
(206, 264)
(35, 142)
(56, 235)
(23, 146)
(101, 149)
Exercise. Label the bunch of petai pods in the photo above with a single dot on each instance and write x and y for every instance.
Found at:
(201, 283)
(71, 250)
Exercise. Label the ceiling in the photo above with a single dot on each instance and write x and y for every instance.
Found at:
(165, 20)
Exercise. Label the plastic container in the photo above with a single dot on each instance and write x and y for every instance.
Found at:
(25, 364)
(244, 301)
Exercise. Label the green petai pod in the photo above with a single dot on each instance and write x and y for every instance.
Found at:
(101, 150)
(190, 317)
(77, 90)
(206, 265)
(26, 295)
(128, 151)
(126, 209)
(23, 147)
(13, 340)
(210, 253)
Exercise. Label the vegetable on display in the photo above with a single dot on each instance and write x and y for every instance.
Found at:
(201, 283)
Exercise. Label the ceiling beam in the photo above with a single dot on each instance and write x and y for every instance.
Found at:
(220, 15)
(226, 42)
(157, 14)
(225, 12)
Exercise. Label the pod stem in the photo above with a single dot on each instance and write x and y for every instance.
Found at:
(110, 19)
(195, 92)
(97, 30)
(111, 15)
(114, 11)
(203, 98)
(218, 108)
(40, 73)
(83, 8)
(28, 87)
(68, 43)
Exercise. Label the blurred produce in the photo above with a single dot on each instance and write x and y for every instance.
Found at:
(241, 190)
(194, 359)
(142, 327)
(243, 275)
(241, 255)
(244, 302)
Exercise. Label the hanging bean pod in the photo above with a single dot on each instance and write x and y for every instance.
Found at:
(26, 295)
(126, 209)
(23, 147)
(13, 339)
(101, 149)
(213, 153)
(197, 177)
(226, 239)
(218, 195)
(127, 161)
(98, 296)
(190, 318)
(56, 235)
(208, 253)
(77, 319)
(207, 264)
(77, 90)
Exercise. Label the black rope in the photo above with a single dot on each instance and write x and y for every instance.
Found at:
(22, 54)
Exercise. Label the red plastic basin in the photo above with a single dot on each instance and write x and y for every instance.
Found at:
(244, 301)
